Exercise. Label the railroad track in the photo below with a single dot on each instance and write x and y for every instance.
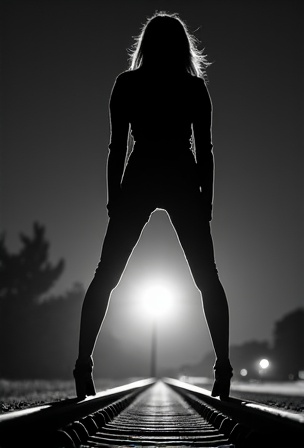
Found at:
(152, 413)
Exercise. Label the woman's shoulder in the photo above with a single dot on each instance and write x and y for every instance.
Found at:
(125, 82)
(198, 82)
(200, 88)
(121, 85)
(127, 76)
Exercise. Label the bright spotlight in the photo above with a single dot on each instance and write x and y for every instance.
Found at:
(264, 363)
(157, 300)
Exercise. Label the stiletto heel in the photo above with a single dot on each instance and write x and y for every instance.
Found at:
(84, 379)
(223, 373)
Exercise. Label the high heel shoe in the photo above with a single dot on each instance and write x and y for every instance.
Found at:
(223, 373)
(84, 379)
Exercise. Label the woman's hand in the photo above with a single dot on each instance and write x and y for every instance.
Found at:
(114, 204)
(206, 206)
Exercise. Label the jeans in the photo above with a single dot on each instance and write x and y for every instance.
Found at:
(172, 187)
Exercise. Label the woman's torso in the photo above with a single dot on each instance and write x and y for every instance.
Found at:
(161, 109)
(160, 106)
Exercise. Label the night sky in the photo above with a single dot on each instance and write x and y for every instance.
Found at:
(59, 62)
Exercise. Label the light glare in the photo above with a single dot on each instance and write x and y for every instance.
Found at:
(264, 363)
(157, 300)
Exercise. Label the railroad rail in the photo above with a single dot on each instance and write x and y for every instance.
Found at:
(152, 413)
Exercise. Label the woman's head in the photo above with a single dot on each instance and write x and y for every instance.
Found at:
(165, 43)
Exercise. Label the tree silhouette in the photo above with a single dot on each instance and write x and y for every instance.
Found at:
(44, 341)
(289, 344)
(24, 277)
(27, 275)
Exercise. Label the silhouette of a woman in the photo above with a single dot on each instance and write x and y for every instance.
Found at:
(162, 100)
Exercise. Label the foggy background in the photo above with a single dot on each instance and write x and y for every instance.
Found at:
(59, 63)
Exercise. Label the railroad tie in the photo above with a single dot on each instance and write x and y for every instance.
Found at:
(158, 417)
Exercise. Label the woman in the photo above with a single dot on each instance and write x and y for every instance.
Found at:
(162, 100)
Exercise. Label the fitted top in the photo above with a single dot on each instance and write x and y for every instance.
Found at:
(157, 107)
(163, 113)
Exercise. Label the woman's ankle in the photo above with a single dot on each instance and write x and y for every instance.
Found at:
(223, 363)
(85, 360)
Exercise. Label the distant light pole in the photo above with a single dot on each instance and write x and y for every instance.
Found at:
(154, 348)
(157, 300)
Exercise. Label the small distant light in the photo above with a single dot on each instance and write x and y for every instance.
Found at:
(301, 374)
(264, 363)
(243, 372)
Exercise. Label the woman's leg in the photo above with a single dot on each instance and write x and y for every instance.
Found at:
(122, 234)
(193, 231)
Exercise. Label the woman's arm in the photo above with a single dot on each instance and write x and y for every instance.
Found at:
(119, 131)
(202, 131)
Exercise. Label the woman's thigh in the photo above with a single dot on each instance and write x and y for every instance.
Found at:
(193, 231)
(123, 232)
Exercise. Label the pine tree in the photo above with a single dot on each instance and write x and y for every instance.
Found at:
(27, 275)
(24, 277)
